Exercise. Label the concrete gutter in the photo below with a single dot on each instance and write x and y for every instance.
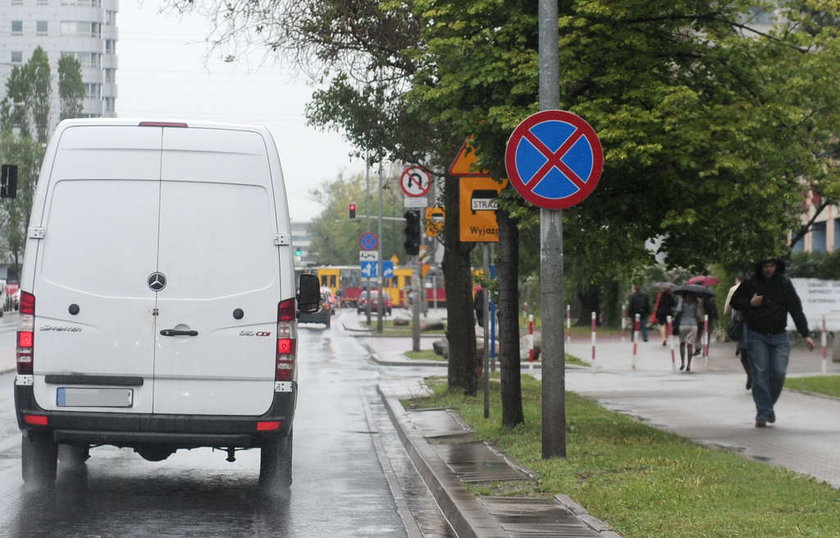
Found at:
(464, 512)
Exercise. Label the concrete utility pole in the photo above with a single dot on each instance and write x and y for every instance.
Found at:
(551, 258)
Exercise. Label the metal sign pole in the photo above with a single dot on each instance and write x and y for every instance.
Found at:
(380, 306)
(486, 355)
(551, 259)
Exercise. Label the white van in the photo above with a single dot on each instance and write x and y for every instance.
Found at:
(158, 296)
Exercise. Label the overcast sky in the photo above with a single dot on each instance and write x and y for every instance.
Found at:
(164, 72)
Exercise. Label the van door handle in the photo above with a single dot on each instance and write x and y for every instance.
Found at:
(176, 332)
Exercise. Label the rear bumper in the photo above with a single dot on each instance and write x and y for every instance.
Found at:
(174, 431)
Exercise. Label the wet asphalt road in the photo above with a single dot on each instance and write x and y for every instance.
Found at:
(340, 488)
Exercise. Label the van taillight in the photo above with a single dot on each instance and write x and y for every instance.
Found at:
(26, 334)
(286, 341)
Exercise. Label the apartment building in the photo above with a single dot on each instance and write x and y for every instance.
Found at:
(86, 29)
(824, 235)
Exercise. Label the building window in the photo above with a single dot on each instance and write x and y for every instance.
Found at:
(41, 27)
(17, 27)
(110, 46)
(17, 2)
(836, 234)
(110, 18)
(93, 90)
(87, 59)
(109, 104)
(109, 76)
(799, 246)
(41, 2)
(17, 57)
(818, 243)
(81, 29)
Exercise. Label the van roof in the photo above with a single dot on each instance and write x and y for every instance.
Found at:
(180, 122)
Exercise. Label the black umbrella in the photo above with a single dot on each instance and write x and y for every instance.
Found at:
(693, 288)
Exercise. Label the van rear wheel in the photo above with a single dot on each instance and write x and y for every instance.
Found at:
(276, 463)
(39, 459)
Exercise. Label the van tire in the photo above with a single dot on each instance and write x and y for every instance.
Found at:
(73, 456)
(276, 464)
(39, 459)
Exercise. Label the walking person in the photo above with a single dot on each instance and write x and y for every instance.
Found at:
(664, 308)
(765, 300)
(689, 311)
(639, 304)
(736, 321)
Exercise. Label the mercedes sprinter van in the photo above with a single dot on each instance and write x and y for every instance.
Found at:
(158, 301)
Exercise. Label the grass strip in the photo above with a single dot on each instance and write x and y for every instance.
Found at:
(424, 355)
(828, 385)
(645, 482)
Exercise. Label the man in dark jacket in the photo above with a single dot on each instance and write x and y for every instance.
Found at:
(765, 301)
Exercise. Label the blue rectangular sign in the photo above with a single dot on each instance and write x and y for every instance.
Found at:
(369, 269)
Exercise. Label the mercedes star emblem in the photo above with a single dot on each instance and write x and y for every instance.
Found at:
(157, 281)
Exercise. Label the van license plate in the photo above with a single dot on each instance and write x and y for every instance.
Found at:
(82, 397)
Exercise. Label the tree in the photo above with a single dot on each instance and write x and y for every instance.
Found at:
(27, 154)
(335, 238)
(71, 89)
(363, 53)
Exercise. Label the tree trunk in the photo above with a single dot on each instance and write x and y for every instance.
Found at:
(460, 328)
(509, 359)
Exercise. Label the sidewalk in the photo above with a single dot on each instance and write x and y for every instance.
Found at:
(709, 405)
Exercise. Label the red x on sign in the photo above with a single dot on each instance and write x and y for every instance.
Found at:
(554, 159)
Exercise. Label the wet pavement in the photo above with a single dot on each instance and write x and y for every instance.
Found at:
(709, 405)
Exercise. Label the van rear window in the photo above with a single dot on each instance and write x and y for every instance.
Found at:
(101, 236)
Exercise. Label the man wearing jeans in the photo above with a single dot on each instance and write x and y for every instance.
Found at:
(765, 301)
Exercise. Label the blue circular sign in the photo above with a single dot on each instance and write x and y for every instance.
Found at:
(554, 159)
(368, 241)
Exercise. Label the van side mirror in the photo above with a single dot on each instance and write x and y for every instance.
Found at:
(8, 181)
(309, 293)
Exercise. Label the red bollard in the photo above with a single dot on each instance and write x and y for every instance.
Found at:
(824, 344)
(669, 326)
(569, 323)
(531, 340)
(636, 335)
(593, 334)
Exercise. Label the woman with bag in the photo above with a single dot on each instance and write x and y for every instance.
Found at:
(690, 313)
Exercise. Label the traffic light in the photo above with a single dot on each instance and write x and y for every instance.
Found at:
(352, 211)
(298, 252)
(412, 233)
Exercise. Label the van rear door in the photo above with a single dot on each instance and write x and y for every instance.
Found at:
(215, 335)
(99, 243)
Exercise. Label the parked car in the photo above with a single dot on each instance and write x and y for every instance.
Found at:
(387, 305)
(322, 315)
(330, 299)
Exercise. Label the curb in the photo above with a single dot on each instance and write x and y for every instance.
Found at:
(460, 507)
(465, 512)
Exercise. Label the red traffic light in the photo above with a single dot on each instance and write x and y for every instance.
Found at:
(352, 211)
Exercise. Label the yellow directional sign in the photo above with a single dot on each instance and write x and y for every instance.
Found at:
(434, 221)
(478, 209)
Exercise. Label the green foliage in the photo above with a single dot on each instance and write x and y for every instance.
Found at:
(335, 238)
(827, 385)
(71, 88)
(645, 482)
(27, 154)
(823, 265)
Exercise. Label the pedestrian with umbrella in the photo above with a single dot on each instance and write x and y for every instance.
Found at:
(689, 313)
(765, 300)
(663, 308)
